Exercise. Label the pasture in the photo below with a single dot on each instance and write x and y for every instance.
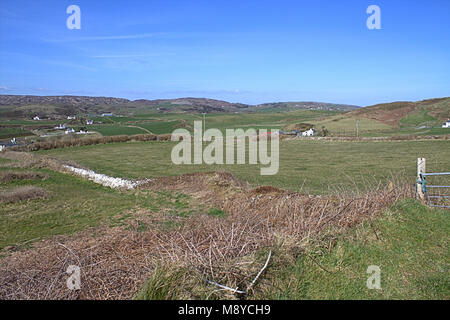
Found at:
(314, 166)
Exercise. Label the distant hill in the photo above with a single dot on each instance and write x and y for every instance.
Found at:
(414, 113)
(286, 106)
(44, 106)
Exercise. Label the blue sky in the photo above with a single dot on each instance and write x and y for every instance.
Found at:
(240, 51)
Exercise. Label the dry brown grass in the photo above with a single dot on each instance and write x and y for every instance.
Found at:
(115, 263)
(29, 160)
(76, 142)
(23, 193)
(9, 176)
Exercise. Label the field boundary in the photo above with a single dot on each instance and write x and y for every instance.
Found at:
(48, 145)
(422, 187)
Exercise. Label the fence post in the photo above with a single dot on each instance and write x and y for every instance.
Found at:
(420, 170)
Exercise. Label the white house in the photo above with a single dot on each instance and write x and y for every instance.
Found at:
(71, 117)
(88, 122)
(36, 118)
(309, 133)
(61, 127)
(108, 114)
(446, 124)
(70, 130)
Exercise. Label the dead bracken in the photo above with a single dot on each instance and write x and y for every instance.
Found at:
(116, 262)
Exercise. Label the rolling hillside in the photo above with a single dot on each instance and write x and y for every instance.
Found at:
(405, 113)
(19, 106)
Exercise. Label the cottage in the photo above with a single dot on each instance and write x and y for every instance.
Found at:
(446, 124)
(61, 127)
(309, 133)
(36, 118)
(70, 130)
(88, 122)
(71, 117)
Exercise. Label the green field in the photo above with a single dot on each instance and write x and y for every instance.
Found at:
(413, 264)
(409, 241)
(337, 123)
(317, 166)
(113, 130)
(159, 127)
(12, 132)
(409, 244)
(73, 205)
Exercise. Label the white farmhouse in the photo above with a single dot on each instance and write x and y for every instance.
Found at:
(61, 127)
(36, 118)
(70, 130)
(446, 124)
(309, 133)
(71, 117)
(89, 122)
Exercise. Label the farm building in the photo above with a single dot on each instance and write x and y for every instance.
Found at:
(36, 118)
(446, 124)
(71, 117)
(309, 133)
(108, 114)
(88, 122)
(61, 127)
(70, 130)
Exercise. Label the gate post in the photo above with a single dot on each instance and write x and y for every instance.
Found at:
(420, 170)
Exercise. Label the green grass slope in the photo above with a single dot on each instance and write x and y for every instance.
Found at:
(410, 244)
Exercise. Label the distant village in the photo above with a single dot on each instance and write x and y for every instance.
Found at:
(67, 129)
(61, 129)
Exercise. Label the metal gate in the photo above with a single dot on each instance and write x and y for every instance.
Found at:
(429, 192)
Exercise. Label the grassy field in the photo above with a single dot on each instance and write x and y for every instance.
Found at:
(115, 130)
(73, 205)
(318, 166)
(413, 264)
(409, 243)
(422, 121)
(159, 127)
(13, 132)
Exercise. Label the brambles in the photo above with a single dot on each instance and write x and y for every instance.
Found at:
(116, 262)
(77, 142)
